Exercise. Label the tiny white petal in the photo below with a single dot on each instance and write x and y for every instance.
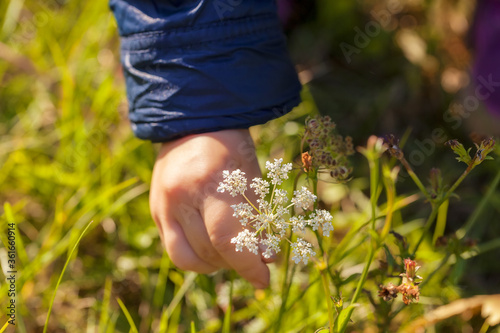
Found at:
(280, 197)
(246, 239)
(321, 218)
(302, 251)
(303, 198)
(235, 182)
(298, 223)
(272, 243)
(243, 211)
(278, 172)
(260, 186)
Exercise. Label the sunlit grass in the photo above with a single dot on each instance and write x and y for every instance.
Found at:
(68, 157)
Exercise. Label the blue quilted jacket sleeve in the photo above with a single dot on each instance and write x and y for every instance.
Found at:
(194, 66)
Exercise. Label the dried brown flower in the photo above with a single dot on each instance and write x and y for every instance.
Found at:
(410, 292)
(388, 292)
(408, 288)
(392, 144)
(306, 161)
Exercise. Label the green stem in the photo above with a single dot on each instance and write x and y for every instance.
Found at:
(315, 192)
(326, 287)
(359, 288)
(226, 325)
(415, 178)
(374, 177)
(251, 203)
(462, 232)
(460, 179)
(364, 275)
(284, 289)
(373, 163)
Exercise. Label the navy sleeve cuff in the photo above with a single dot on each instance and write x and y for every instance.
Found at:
(201, 67)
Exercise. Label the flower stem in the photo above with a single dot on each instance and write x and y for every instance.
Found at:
(359, 288)
(326, 287)
(373, 162)
(415, 178)
(462, 232)
(364, 275)
(374, 178)
(284, 289)
(460, 179)
(251, 203)
(437, 203)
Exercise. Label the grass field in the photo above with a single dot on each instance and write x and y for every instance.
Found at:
(74, 188)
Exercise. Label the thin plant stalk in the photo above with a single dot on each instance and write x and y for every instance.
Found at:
(460, 179)
(61, 275)
(285, 287)
(374, 178)
(359, 287)
(415, 178)
(364, 275)
(4, 327)
(226, 327)
(374, 165)
(462, 232)
(133, 328)
(326, 286)
(437, 203)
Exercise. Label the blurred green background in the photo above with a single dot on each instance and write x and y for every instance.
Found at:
(68, 157)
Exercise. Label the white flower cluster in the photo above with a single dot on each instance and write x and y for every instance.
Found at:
(269, 217)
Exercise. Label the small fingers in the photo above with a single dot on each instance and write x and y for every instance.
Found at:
(180, 251)
(196, 234)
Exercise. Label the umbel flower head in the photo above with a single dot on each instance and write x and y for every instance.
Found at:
(268, 221)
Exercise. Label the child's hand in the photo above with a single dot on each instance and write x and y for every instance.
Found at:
(195, 221)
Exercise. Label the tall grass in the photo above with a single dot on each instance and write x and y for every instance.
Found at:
(67, 157)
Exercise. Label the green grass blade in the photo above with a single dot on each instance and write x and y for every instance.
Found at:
(226, 326)
(61, 275)
(161, 283)
(474, 218)
(163, 322)
(133, 328)
(104, 317)
(4, 327)
(112, 323)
